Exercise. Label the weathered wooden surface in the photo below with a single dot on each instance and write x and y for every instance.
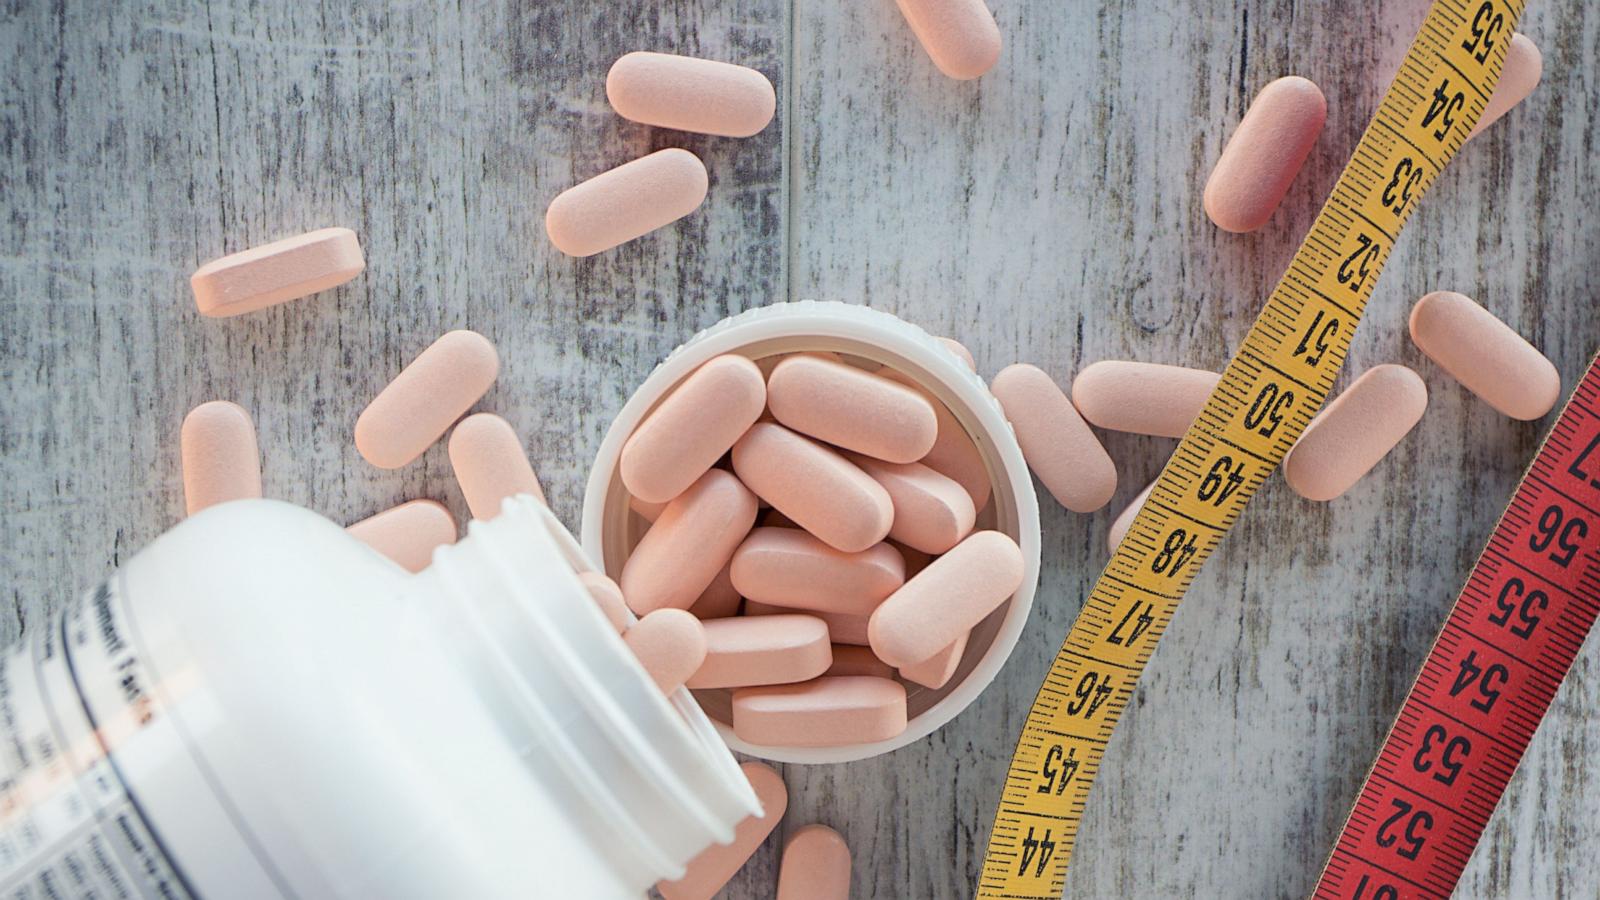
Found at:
(1048, 212)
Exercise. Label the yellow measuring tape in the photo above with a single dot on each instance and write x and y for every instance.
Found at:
(1268, 393)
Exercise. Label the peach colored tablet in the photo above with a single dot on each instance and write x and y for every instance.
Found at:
(960, 36)
(932, 512)
(843, 628)
(1523, 67)
(681, 554)
(690, 430)
(277, 272)
(408, 533)
(608, 596)
(690, 94)
(426, 398)
(709, 871)
(937, 670)
(946, 599)
(1355, 432)
(1124, 521)
(953, 454)
(221, 462)
(777, 649)
(789, 567)
(490, 464)
(1265, 153)
(849, 659)
(670, 644)
(823, 712)
(960, 350)
(627, 202)
(812, 484)
(816, 866)
(720, 599)
(851, 408)
(1057, 443)
(1485, 355)
(1142, 398)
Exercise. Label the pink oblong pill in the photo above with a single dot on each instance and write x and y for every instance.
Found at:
(1485, 355)
(627, 202)
(1057, 443)
(945, 600)
(608, 596)
(1355, 432)
(932, 513)
(689, 94)
(816, 866)
(221, 461)
(953, 454)
(679, 557)
(747, 650)
(277, 272)
(813, 485)
(937, 670)
(851, 408)
(849, 659)
(789, 567)
(720, 599)
(1265, 153)
(1142, 398)
(824, 712)
(490, 464)
(960, 350)
(1523, 68)
(692, 428)
(709, 871)
(426, 398)
(1124, 521)
(408, 533)
(670, 644)
(960, 36)
(843, 628)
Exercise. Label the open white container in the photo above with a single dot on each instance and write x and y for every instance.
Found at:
(611, 529)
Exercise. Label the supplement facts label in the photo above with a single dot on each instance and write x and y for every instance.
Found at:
(70, 699)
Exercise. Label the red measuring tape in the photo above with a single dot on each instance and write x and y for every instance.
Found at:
(1513, 634)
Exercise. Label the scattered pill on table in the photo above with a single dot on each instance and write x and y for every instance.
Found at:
(849, 659)
(945, 600)
(748, 650)
(823, 712)
(277, 272)
(408, 533)
(960, 36)
(813, 485)
(789, 567)
(670, 644)
(1264, 154)
(1355, 432)
(627, 202)
(851, 408)
(490, 464)
(426, 398)
(1124, 520)
(1057, 443)
(221, 462)
(708, 872)
(1523, 68)
(932, 512)
(608, 596)
(816, 866)
(690, 94)
(1142, 398)
(937, 670)
(681, 554)
(1485, 354)
(692, 428)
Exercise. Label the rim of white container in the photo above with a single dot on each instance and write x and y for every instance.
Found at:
(870, 334)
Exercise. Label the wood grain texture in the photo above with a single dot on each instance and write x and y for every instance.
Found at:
(1048, 212)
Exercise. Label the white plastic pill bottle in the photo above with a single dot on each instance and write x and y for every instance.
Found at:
(258, 705)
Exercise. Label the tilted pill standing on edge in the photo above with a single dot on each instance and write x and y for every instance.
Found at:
(959, 35)
(426, 398)
(1485, 355)
(945, 600)
(709, 871)
(1057, 443)
(1523, 67)
(681, 554)
(1142, 398)
(851, 408)
(1124, 520)
(1355, 432)
(670, 644)
(221, 462)
(823, 712)
(816, 866)
(277, 272)
(408, 533)
(953, 454)
(692, 428)
(932, 513)
(490, 464)
(1264, 154)
(627, 202)
(689, 94)
(812, 484)
(789, 567)
(747, 650)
